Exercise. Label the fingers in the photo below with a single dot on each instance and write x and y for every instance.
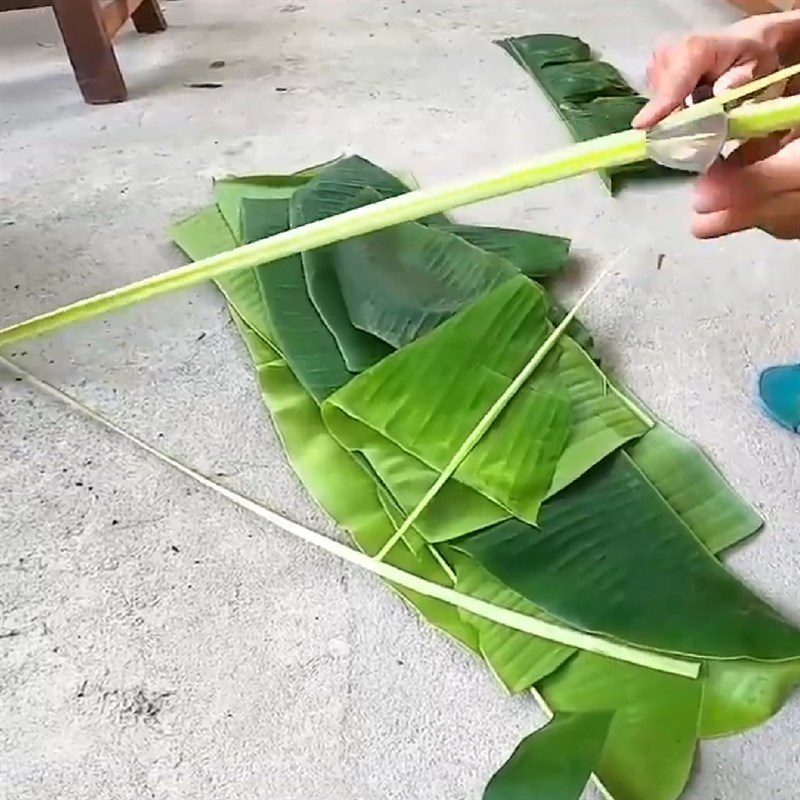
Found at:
(672, 74)
(675, 71)
(729, 184)
(655, 110)
(778, 215)
(778, 173)
(722, 187)
(724, 222)
(760, 194)
(736, 76)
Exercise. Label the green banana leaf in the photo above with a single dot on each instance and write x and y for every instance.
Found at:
(610, 537)
(714, 513)
(555, 762)
(739, 695)
(306, 343)
(260, 203)
(351, 268)
(340, 182)
(397, 284)
(536, 255)
(230, 191)
(531, 452)
(657, 718)
(518, 660)
(341, 487)
(582, 81)
(473, 356)
(603, 116)
(590, 96)
(257, 206)
(736, 694)
(695, 489)
(334, 191)
(540, 50)
(602, 421)
(652, 738)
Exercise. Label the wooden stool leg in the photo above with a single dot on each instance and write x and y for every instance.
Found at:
(148, 18)
(90, 51)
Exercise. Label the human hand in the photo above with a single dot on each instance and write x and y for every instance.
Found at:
(725, 60)
(758, 186)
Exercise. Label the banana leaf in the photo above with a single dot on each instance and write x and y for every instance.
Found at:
(658, 718)
(652, 738)
(356, 264)
(518, 660)
(602, 419)
(590, 96)
(342, 488)
(715, 514)
(555, 762)
(231, 191)
(340, 182)
(299, 332)
(540, 50)
(400, 283)
(536, 255)
(738, 695)
(259, 204)
(472, 356)
(582, 81)
(695, 489)
(338, 189)
(532, 450)
(610, 537)
(642, 756)
(302, 338)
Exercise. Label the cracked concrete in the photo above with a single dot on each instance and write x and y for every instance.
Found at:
(157, 643)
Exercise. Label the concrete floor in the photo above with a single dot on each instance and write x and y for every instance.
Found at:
(158, 643)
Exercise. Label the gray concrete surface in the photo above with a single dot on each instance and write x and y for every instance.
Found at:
(158, 643)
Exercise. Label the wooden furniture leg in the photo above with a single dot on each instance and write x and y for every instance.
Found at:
(90, 51)
(148, 18)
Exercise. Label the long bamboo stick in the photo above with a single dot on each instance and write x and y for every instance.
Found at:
(554, 632)
(615, 150)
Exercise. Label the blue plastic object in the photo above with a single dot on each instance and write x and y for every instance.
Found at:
(779, 391)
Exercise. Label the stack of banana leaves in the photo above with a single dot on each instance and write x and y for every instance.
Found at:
(377, 356)
(591, 96)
